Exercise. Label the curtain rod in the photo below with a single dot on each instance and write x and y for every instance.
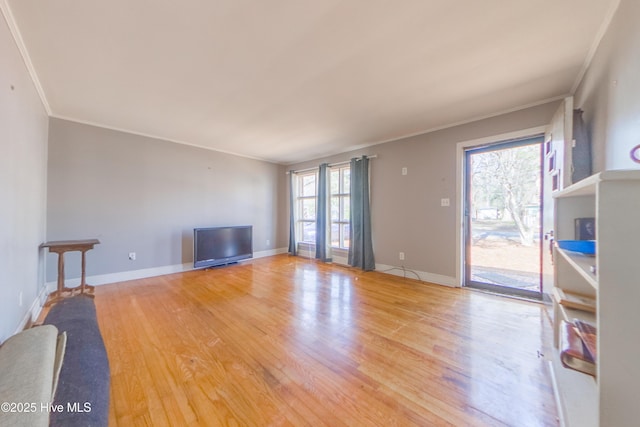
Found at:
(373, 156)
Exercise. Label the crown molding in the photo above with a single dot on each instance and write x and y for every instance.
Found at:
(160, 138)
(17, 37)
(606, 22)
(435, 129)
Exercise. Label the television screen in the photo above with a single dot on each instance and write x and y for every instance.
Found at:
(221, 245)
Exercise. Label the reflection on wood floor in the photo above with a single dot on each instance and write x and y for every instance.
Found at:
(289, 341)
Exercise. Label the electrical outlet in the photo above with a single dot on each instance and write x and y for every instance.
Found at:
(20, 299)
(268, 242)
(404, 171)
(132, 256)
(401, 255)
(444, 202)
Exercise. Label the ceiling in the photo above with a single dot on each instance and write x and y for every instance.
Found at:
(293, 80)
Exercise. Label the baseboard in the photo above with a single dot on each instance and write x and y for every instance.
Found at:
(556, 394)
(438, 279)
(270, 252)
(123, 276)
(34, 311)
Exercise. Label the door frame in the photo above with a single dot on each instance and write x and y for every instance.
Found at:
(461, 147)
(502, 145)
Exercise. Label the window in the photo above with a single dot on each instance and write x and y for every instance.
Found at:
(306, 193)
(339, 191)
(306, 207)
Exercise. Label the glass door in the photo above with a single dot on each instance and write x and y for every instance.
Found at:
(503, 214)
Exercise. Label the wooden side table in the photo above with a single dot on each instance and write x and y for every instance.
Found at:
(60, 247)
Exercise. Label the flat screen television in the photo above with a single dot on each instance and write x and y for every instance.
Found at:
(221, 245)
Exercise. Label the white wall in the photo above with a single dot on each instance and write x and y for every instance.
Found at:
(23, 169)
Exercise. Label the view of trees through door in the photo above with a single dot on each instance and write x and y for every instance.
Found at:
(503, 217)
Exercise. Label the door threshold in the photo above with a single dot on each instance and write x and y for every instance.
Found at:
(544, 300)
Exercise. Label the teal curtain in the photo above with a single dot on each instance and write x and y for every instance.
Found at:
(322, 215)
(361, 243)
(293, 246)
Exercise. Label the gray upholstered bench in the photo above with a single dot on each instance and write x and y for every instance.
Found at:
(29, 364)
(84, 378)
(70, 344)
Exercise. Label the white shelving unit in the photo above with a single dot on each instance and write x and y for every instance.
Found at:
(613, 397)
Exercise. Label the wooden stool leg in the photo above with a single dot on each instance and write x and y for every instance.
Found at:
(82, 274)
(60, 272)
(83, 284)
(57, 294)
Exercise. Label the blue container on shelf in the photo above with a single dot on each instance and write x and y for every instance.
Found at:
(587, 247)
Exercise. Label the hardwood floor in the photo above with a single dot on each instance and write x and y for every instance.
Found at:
(288, 341)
